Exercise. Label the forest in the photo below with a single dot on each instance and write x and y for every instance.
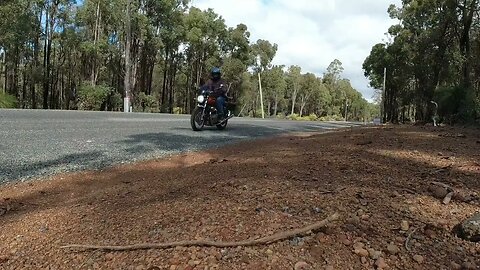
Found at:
(91, 54)
(432, 62)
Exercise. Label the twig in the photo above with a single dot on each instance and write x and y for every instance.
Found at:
(409, 191)
(205, 243)
(408, 239)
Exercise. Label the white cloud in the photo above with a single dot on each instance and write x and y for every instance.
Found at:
(312, 33)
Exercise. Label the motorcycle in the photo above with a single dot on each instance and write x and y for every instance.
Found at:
(205, 114)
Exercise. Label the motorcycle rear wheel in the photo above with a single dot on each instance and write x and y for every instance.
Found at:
(222, 126)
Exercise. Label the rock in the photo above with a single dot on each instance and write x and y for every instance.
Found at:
(3, 259)
(353, 220)
(329, 230)
(361, 252)
(374, 254)
(316, 252)
(418, 258)
(461, 197)
(393, 249)
(358, 245)
(380, 263)
(344, 240)
(404, 226)
(364, 260)
(296, 241)
(455, 266)
(469, 229)
(438, 192)
(269, 252)
(301, 266)
(322, 238)
(469, 266)
(430, 233)
(329, 267)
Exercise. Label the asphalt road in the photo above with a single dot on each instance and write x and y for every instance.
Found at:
(41, 143)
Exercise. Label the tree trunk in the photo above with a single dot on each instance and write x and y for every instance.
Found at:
(15, 89)
(46, 59)
(24, 89)
(294, 97)
(302, 106)
(4, 70)
(173, 67)
(165, 77)
(36, 50)
(93, 76)
(128, 68)
(465, 48)
(275, 106)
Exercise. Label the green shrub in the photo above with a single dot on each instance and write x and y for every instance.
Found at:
(116, 100)
(147, 103)
(7, 101)
(293, 116)
(331, 118)
(313, 117)
(455, 104)
(177, 110)
(91, 97)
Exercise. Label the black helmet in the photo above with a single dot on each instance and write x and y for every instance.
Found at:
(216, 73)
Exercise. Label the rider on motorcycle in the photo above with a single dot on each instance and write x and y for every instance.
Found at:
(217, 85)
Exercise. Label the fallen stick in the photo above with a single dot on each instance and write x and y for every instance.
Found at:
(205, 243)
(332, 191)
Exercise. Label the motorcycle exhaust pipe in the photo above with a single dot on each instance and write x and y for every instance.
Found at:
(224, 120)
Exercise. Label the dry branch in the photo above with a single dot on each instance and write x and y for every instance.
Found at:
(205, 243)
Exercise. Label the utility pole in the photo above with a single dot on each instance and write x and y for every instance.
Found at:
(260, 85)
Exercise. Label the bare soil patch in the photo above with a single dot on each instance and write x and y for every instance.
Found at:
(389, 184)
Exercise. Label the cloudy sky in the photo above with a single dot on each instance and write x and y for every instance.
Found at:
(312, 33)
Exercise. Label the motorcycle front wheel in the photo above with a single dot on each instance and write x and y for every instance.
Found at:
(197, 120)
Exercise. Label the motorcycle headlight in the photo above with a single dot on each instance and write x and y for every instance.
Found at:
(201, 99)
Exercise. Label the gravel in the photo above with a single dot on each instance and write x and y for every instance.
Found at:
(38, 143)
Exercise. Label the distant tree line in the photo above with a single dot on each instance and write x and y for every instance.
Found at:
(57, 54)
(432, 58)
